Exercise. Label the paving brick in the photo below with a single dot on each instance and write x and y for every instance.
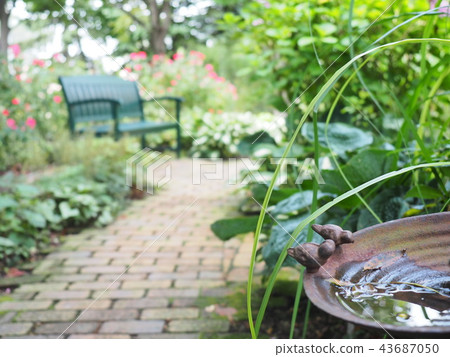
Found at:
(211, 275)
(173, 293)
(63, 295)
(238, 274)
(46, 316)
(72, 277)
(146, 284)
(174, 336)
(217, 292)
(122, 277)
(132, 327)
(96, 285)
(119, 294)
(10, 329)
(82, 304)
(114, 255)
(109, 315)
(184, 302)
(104, 269)
(68, 255)
(189, 275)
(87, 261)
(60, 327)
(102, 336)
(170, 313)
(128, 261)
(46, 265)
(141, 303)
(199, 283)
(42, 287)
(7, 317)
(198, 326)
(152, 268)
(24, 305)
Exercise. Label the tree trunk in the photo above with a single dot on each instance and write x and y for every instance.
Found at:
(159, 26)
(4, 28)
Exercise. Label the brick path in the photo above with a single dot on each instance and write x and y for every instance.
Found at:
(156, 297)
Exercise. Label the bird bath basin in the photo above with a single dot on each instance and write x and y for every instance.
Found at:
(395, 276)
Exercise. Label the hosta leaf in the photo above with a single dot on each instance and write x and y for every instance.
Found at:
(6, 202)
(67, 211)
(5, 242)
(296, 202)
(35, 219)
(342, 137)
(230, 227)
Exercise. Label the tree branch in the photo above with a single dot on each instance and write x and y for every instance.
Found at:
(130, 14)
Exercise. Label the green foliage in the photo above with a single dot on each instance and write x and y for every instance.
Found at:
(230, 227)
(31, 214)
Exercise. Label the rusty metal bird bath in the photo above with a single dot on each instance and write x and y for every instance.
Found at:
(415, 251)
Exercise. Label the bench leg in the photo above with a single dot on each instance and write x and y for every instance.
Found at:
(143, 141)
(178, 142)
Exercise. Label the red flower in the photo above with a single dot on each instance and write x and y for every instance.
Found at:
(57, 99)
(15, 101)
(138, 55)
(38, 62)
(173, 82)
(155, 58)
(177, 56)
(15, 49)
(5, 112)
(30, 122)
(11, 123)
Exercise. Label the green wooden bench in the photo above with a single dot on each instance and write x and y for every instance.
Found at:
(96, 99)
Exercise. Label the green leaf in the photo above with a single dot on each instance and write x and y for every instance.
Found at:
(35, 219)
(305, 41)
(388, 205)
(298, 201)
(6, 202)
(248, 144)
(27, 190)
(426, 192)
(5, 242)
(342, 137)
(325, 29)
(67, 211)
(280, 235)
(231, 227)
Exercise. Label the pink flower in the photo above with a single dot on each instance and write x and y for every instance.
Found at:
(212, 75)
(138, 55)
(28, 80)
(57, 99)
(197, 54)
(220, 79)
(30, 122)
(57, 57)
(178, 56)
(127, 69)
(5, 112)
(15, 49)
(158, 75)
(137, 67)
(169, 61)
(173, 82)
(211, 110)
(11, 123)
(169, 89)
(38, 62)
(15, 101)
(27, 107)
(156, 58)
(18, 77)
(209, 67)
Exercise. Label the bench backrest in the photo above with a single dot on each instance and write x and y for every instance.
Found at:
(81, 88)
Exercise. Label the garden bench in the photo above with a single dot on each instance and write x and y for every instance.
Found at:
(97, 99)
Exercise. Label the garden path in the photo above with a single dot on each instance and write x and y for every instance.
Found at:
(173, 259)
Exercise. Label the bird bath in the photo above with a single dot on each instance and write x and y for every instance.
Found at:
(394, 276)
